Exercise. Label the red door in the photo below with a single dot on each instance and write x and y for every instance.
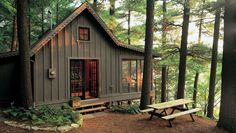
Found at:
(84, 78)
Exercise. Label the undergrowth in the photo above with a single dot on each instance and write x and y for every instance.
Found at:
(44, 115)
(126, 109)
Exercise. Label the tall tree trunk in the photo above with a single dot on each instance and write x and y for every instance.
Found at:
(95, 5)
(227, 118)
(195, 90)
(164, 23)
(14, 36)
(129, 15)
(163, 84)
(24, 50)
(147, 72)
(167, 77)
(211, 97)
(57, 11)
(201, 23)
(42, 20)
(183, 51)
(112, 7)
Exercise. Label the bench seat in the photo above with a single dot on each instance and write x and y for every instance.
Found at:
(146, 110)
(172, 116)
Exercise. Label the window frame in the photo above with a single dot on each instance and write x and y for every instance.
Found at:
(78, 33)
(138, 84)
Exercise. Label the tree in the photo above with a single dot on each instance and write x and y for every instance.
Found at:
(95, 5)
(227, 118)
(112, 7)
(24, 52)
(14, 35)
(210, 107)
(8, 13)
(164, 26)
(183, 51)
(201, 21)
(195, 90)
(147, 71)
(163, 84)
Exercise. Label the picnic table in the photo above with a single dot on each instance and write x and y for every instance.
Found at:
(174, 105)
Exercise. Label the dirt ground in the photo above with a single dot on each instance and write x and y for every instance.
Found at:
(125, 123)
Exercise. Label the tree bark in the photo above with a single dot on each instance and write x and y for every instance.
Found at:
(183, 51)
(129, 15)
(112, 7)
(201, 23)
(57, 11)
(211, 97)
(24, 52)
(95, 5)
(167, 90)
(163, 84)
(195, 90)
(164, 23)
(14, 36)
(227, 119)
(42, 20)
(147, 73)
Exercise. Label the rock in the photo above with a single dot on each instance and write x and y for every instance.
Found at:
(23, 126)
(11, 123)
(75, 125)
(64, 128)
(35, 128)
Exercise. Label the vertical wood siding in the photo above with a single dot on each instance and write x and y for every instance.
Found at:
(65, 46)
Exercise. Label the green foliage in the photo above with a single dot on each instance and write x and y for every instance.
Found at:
(126, 109)
(7, 8)
(45, 115)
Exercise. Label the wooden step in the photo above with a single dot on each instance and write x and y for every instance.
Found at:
(190, 111)
(92, 109)
(90, 105)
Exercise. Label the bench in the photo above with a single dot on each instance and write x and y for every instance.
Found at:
(173, 116)
(146, 110)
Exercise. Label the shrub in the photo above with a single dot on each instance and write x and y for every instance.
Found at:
(44, 115)
(127, 109)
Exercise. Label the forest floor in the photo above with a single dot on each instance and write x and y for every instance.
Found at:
(139, 123)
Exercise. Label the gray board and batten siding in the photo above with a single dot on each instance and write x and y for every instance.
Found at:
(66, 47)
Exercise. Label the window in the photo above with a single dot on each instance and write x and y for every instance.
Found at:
(84, 34)
(132, 75)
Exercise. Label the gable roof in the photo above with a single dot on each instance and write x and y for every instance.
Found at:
(47, 37)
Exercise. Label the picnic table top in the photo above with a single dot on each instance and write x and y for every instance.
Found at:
(169, 104)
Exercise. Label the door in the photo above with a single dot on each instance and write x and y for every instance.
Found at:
(84, 78)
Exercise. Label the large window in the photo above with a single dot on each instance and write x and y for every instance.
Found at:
(84, 34)
(131, 75)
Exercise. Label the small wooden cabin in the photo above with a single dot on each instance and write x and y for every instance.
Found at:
(79, 57)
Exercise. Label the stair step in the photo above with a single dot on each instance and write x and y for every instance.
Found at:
(90, 104)
(92, 109)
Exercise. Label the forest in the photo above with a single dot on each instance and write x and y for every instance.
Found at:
(201, 19)
(126, 19)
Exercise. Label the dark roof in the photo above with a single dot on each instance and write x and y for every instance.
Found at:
(49, 35)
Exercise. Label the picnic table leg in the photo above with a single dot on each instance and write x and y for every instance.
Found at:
(152, 113)
(170, 123)
(173, 110)
(190, 113)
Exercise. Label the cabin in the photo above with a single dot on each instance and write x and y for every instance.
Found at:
(79, 57)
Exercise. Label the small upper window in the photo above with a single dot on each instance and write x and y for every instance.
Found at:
(84, 34)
